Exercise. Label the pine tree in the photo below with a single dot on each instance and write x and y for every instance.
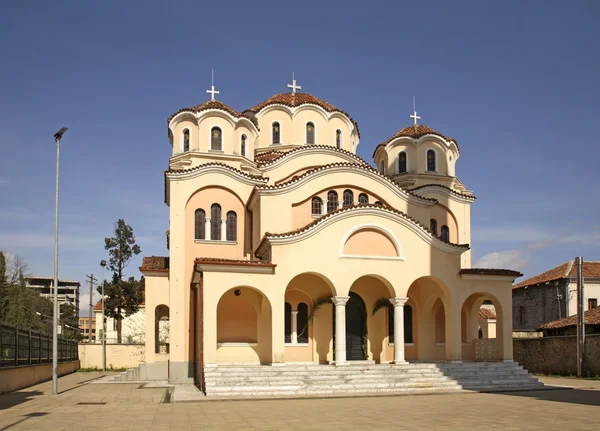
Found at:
(3, 287)
(20, 310)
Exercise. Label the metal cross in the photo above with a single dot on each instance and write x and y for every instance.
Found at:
(212, 90)
(414, 116)
(293, 85)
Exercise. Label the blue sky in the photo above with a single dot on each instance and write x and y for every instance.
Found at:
(516, 83)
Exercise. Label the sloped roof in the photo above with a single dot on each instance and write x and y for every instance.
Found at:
(298, 99)
(486, 313)
(155, 263)
(566, 270)
(491, 271)
(214, 104)
(591, 317)
(415, 132)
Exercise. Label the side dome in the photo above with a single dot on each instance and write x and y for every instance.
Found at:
(214, 104)
(416, 132)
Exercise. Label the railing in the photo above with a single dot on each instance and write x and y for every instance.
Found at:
(26, 347)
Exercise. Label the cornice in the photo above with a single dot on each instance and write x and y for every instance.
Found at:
(299, 151)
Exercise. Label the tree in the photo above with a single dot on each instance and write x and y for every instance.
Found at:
(20, 310)
(69, 322)
(123, 298)
(3, 286)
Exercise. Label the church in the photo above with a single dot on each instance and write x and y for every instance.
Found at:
(287, 248)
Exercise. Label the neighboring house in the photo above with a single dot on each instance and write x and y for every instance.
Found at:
(132, 327)
(568, 325)
(552, 295)
(84, 329)
(274, 216)
(68, 290)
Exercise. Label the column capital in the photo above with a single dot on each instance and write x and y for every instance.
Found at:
(398, 302)
(340, 300)
(294, 312)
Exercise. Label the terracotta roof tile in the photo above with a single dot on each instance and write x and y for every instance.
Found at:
(486, 313)
(269, 159)
(568, 269)
(354, 208)
(214, 104)
(590, 269)
(454, 192)
(414, 132)
(298, 99)
(98, 306)
(491, 271)
(218, 261)
(366, 168)
(155, 263)
(591, 317)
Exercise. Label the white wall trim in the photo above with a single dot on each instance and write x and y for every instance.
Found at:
(236, 344)
(379, 228)
(296, 344)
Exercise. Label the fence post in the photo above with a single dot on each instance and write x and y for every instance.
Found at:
(16, 346)
(29, 350)
(40, 345)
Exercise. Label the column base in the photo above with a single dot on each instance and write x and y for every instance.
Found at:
(277, 364)
(508, 360)
(455, 361)
(339, 364)
(399, 362)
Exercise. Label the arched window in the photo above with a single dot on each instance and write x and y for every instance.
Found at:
(381, 168)
(243, 146)
(332, 201)
(310, 133)
(216, 139)
(363, 199)
(199, 224)
(215, 222)
(161, 329)
(433, 226)
(408, 330)
(445, 233)
(338, 138)
(378, 204)
(317, 206)
(431, 166)
(186, 140)
(348, 198)
(402, 168)
(276, 132)
(231, 226)
(302, 323)
(288, 323)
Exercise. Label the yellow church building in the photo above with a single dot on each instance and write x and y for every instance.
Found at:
(287, 249)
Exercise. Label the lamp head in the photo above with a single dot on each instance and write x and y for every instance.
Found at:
(58, 135)
(103, 263)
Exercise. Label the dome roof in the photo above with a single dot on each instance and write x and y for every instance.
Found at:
(298, 99)
(214, 104)
(415, 131)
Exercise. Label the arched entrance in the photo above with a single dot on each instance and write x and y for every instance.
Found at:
(356, 328)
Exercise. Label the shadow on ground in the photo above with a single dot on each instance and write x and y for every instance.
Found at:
(561, 395)
(25, 417)
(15, 398)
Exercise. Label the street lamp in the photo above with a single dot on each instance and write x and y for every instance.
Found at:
(103, 264)
(57, 136)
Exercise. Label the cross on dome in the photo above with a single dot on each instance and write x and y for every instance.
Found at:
(212, 90)
(414, 116)
(293, 85)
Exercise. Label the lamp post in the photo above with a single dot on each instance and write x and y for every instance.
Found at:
(103, 264)
(57, 136)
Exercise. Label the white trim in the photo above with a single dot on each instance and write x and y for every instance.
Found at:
(436, 160)
(218, 126)
(306, 133)
(271, 143)
(237, 344)
(381, 229)
(296, 344)
(214, 241)
(359, 256)
(405, 344)
(309, 150)
(233, 268)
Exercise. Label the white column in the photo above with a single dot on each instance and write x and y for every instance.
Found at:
(398, 304)
(206, 228)
(223, 230)
(340, 328)
(294, 327)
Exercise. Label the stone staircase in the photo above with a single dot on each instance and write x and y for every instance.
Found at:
(417, 377)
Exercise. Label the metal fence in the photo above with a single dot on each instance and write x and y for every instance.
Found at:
(26, 347)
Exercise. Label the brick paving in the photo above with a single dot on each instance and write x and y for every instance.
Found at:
(85, 406)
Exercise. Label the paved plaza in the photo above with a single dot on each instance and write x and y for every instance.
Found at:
(82, 405)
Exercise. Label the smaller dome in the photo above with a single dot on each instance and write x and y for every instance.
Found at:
(415, 131)
(214, 104)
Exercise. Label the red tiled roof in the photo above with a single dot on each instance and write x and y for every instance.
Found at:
(98, 306)
(213, 104)
(155, 263)
(358, 207)
(491, 271)
(414, 132)
(486, 313)
(298, 99)
(218, 261)
(590, 317)
(566, 270)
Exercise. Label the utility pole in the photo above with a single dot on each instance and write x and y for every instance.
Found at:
(91, 279)
(580, 320)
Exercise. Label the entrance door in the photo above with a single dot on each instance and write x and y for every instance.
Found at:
(356, 325)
